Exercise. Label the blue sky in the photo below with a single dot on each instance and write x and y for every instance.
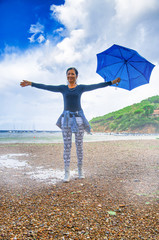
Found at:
(40, 39)
(17, 17)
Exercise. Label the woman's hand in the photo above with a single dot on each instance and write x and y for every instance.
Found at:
(116, 81)
(25, 83)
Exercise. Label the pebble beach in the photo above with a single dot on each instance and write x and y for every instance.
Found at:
(118, 199)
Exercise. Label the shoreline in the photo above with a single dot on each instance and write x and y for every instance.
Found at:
(56, 137)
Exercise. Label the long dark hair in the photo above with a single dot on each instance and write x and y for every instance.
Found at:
(72, 68)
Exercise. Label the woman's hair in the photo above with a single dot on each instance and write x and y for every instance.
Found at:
(76, 71)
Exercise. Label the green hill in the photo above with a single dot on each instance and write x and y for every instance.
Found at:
(142, 117)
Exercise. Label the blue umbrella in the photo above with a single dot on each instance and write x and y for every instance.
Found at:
(118, 61)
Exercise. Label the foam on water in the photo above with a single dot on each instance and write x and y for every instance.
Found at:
(9, 161)
(41, 174)
(49, 175)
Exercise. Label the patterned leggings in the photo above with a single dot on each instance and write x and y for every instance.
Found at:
(67, 138)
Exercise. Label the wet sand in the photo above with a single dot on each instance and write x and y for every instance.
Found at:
(118, 199)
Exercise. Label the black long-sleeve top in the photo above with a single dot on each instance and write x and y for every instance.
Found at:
(72, 96)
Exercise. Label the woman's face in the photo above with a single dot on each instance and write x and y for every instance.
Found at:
(71, 76)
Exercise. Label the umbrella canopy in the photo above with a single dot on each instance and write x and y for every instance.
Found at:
(126, 63)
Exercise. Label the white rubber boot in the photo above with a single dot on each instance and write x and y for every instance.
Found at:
(67, 174)
(80, 172)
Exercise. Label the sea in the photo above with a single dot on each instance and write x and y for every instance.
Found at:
(18, 136)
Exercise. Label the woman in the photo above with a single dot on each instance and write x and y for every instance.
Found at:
(72, 120)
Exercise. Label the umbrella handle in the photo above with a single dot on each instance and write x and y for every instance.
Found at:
(116, 85)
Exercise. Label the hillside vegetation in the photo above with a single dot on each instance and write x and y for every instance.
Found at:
(138, 117)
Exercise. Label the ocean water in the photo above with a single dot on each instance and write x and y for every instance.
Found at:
(56, 137)
(30, 137)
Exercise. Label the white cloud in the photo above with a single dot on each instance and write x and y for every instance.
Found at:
(36, 28)
(89, 27)
(38, 31)
(136, 25)
(129, 11)
(69, 50)
(71, 14)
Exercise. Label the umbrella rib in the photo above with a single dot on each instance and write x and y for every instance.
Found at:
(121, 53)
(136, 68)
(114, 56)
(122, 67)
(131, 57)
(126, 66)
(113, 64)
(128, 76)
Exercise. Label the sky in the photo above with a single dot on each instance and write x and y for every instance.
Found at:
(40, 39)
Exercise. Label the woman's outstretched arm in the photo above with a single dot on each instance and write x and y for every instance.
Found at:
(100, 85)
(53, 88)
